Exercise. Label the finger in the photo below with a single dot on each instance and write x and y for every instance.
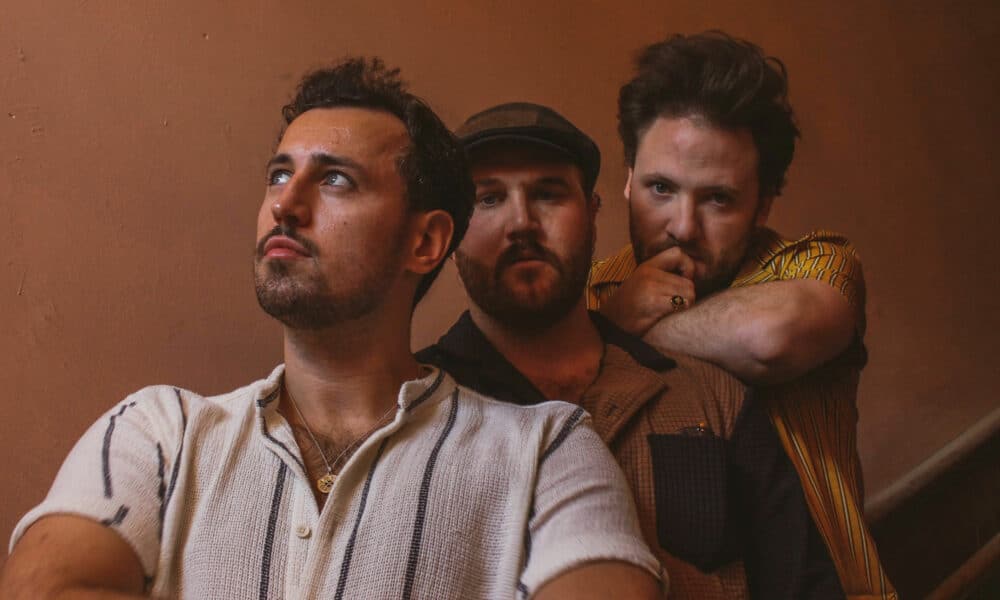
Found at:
(672, 260)
(648, 281)
(685, 267)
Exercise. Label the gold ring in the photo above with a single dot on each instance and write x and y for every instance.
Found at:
(678, 302)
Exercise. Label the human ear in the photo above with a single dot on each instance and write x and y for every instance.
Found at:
(431, 233)
(628, 184)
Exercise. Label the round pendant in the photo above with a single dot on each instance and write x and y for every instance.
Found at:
(325, 483)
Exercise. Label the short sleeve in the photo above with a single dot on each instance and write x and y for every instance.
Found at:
(583, 509)
(831, 259)
(820, 255)
(120, 472)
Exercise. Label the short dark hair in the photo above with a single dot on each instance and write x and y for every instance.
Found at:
(433, 166)
(729, 82)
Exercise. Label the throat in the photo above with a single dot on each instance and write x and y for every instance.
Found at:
(568, 385)
(562, 361)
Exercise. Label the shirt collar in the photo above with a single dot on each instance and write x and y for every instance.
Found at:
(466, 353)
(432, 385)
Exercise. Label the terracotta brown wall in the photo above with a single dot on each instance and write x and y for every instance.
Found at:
(133, 138)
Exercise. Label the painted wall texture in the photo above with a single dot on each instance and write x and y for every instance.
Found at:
(133, 138)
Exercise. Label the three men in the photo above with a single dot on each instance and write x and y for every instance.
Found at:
(718, 500)
(352, 471)
(708, 135)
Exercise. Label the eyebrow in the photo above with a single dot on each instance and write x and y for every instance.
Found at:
(320, 159)
(552, 180)
(648, 178)
(722, 188)
(485, 181)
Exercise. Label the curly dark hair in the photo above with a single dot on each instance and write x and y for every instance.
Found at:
(433, 166)
(729, 82)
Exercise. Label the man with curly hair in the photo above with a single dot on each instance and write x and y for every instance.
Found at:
(708, 134)
(351, 471)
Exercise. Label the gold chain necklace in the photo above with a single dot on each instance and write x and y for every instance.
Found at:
(325, 483)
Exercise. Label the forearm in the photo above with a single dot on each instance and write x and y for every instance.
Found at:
(79, 593)
(766, 333)
(64, 557)
(716, 330)
(34, 582)
(602, 581)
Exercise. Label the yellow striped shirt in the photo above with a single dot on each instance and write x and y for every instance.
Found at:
(815, 415)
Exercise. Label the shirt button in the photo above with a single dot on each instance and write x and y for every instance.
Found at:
(303, 531)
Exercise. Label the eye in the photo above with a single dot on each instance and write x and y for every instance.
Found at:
(278, 177)
(549, 193)
(338, 179)
(660, 188)
(720, 199)
(488, 200)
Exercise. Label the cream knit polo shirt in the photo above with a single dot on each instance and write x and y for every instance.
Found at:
(460, 496)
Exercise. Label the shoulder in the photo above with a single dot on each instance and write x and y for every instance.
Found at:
(168, 406)
(767, 246)
(550, 410)
(613, 269)
(607, 274)
(545, 421)
(819, 254)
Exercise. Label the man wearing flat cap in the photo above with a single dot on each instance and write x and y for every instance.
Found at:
(718, 499)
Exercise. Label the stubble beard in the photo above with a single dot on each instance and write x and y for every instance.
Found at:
(303, 299)
(531, 312)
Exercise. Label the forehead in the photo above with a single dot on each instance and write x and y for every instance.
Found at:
(521, 161)
(691, 143)
(360, 133)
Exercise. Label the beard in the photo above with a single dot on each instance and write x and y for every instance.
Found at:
(535, 309)
(298, 295)
(719, 270)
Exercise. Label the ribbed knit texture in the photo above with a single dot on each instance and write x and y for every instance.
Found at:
(441, 503)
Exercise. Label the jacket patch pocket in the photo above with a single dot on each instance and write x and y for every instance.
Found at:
(692, 488)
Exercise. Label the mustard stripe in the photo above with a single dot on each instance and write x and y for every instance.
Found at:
(816, 435)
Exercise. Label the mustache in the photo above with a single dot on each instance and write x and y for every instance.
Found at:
(289, 232)
(526, 250)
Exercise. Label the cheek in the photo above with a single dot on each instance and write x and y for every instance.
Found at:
(569, 230)
(722, 236)
(482, 235)
(650, 220)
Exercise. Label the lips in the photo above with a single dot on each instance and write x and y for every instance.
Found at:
(281, 246)
(522, 254)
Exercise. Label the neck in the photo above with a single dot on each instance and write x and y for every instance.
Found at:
(346, 377)
(560, 360)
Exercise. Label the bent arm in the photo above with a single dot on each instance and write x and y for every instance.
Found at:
(63, 557)
(602, 581)
(766, 333)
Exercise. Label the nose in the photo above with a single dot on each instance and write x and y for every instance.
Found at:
(684, 226)
(292, 205)
(522, 217)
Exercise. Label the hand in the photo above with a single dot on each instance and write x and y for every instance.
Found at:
(646, 296)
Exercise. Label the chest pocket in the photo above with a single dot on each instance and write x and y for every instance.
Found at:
(696, 519)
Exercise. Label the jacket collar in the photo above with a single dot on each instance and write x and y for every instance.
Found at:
(466, 353)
